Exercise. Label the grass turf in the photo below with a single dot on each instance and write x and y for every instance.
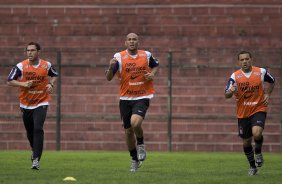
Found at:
(113, 167)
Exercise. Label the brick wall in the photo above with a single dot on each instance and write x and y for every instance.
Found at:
(203, 36)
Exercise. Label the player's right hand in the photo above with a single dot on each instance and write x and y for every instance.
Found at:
(233, 88)
(113, 62)
(266, 98)
(28, 84)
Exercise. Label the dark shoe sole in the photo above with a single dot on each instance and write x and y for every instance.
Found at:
(259, 165)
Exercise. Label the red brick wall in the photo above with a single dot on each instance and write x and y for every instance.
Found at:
(165, 25)
(204, 37)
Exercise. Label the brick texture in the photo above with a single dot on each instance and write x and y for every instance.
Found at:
(203, 37)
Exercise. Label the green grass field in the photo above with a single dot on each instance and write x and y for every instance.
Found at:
(113, 167)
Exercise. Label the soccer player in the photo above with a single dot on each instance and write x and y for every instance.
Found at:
(136, 70)
(35, 77)
(252, 97)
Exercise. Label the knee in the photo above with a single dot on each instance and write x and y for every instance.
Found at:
(136, 121)
(135, 124)
(257, 132)
(38, 130)
(257, 136)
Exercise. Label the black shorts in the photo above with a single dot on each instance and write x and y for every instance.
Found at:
(129, 107)
(245, 124)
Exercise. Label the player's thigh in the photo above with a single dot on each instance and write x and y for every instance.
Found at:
(27, 116)
(136, 120)
(125, 113)
(258, 119)
(258, 123)
(39, 116)
(244, 128)
(140, 107)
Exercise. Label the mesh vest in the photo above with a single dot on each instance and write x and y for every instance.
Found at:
(250, 93)
(133, 83)
(37, 93)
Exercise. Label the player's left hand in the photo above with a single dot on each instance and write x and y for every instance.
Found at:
(149, 76)
(49, 88)
(266, 98)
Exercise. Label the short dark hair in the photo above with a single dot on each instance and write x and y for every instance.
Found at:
(244, 52)
(36, 45)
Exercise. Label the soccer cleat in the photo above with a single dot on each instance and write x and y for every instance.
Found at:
(135, 165)
(252, 171)
(141, 152)
(35, 164)
(259, 160)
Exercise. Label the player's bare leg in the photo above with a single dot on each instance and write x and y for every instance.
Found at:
(136, 124)
(248, 150)
(131, 145)
(258, 138)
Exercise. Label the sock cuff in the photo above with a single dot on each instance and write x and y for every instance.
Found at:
(259, 141)
(140, 140)
(133, 154)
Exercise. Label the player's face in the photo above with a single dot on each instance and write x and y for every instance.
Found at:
(132, 42)
(32, 53)
(245, 62)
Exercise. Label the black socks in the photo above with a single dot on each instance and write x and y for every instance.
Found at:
(250, 156)
(140, 140)
(133, 154)
(258, 145)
